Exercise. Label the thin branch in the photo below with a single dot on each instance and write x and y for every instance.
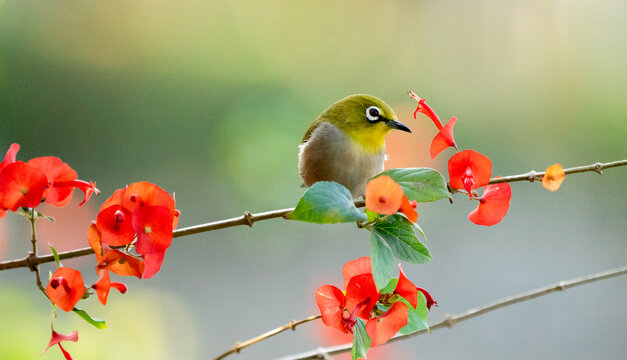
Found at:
(450, 321)
(536, 176)
(249, 219)
(240, 345)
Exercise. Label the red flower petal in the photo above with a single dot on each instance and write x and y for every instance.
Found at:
(428, 298)
(406, 288)
(493, 205)
(56, 171)
(382, 328)
(104, 285)
(153, 225)
(115, 199)
(115, 225)
(408, 209)
(93, 237)
(143, 193)
(469, 170)
(65, 288)
(444, 138)
(360, 288)
(383, 195)
(121, 264)
(425, 109)
(57, 338)
(21, 185)
(11, 155)
(152, 263)
(331, 302)
(356, 267)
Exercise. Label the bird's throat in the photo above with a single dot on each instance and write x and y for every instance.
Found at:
(371, 141)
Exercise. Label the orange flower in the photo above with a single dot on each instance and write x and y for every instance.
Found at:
(553, 177)
(409, 209)
(383, 195)
(65, 288)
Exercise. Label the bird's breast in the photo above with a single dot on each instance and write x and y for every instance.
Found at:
(329, 155)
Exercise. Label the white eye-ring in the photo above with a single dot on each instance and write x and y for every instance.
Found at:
(373, 113)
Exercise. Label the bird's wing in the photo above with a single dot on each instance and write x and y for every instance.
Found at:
(311, 129)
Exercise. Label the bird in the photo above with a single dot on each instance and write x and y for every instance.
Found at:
(346, 143)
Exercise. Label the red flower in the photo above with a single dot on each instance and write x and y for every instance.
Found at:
(152, 263)
(153, 225)
(444, 138)
(469, 170)
(493, 205)
(381, 328)
(341, 311)
(21, 185)
(121, 264)
(104, 284)
(56, 340)
(65, 288)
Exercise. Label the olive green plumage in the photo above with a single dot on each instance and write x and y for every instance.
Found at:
(346, 143)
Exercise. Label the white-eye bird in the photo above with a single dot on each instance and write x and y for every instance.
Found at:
(346, 143)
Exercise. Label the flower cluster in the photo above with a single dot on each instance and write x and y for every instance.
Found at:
(469, 170)
(385, 312)
(28, 184)
(142, 215)
(384, 196)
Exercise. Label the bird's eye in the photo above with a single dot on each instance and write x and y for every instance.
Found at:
(373, 113)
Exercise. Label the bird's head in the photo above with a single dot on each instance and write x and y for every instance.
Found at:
(364, 119)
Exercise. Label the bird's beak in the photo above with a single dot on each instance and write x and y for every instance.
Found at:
(394, 124)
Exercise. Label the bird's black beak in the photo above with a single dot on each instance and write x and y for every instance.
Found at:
(394, 124)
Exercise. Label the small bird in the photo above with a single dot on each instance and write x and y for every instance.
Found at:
(346, 143)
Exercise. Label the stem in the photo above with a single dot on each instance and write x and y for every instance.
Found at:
(249, 219)
(449, 321)
(291, 325)
(33, 253)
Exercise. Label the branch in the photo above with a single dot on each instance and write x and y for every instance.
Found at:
(449, 321)
(536, 176)
(291, 325)
(249, 219)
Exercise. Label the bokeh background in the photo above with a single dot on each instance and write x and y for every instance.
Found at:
(209, 99)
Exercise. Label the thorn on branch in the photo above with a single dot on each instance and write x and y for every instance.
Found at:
(293, 324)
(532, 176)
(249, 218)
(237, 347)
(561, 286)
(598, 167)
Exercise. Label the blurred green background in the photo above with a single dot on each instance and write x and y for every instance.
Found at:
(209, 99)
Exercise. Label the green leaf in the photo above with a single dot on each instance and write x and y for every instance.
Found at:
(382, 261)
(361, 340)
(55, 254)
(372, 216)
(420, 184)
(327, 202)
(100, 324)
(416, 318)
(390, 287)
(400, 235)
